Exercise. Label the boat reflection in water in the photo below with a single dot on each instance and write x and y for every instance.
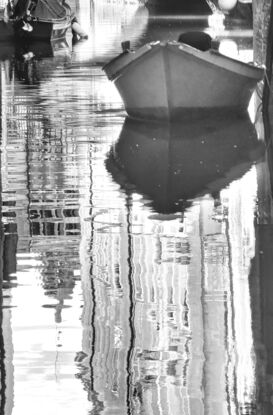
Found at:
(32, 61)
(167, 318)
(35, 49)
(174, 163)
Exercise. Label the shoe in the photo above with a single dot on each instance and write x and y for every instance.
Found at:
(27, 27)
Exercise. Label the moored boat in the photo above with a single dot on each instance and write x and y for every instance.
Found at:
(44, 22)
(165, 80)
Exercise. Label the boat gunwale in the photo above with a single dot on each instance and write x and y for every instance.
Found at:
(56, 25)
(39, 19)
(132, 57)
(210, 57)
(210, 54)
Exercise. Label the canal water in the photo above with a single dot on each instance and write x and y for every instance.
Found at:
(136, 259)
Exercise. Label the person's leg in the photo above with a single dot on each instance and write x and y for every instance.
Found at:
(20, 8)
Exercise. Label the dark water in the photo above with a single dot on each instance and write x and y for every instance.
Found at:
(136, 259)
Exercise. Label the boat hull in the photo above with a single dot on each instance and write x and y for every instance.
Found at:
(169, 80)
(42, 30)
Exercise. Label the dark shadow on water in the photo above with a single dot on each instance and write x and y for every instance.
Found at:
(196, 7)
(37, 49)
(173, 164)
(32, 61)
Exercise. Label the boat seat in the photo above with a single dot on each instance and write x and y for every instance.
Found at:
(199, 40)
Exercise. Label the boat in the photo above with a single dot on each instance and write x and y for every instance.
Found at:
(46, 21)
(172, 164)
(167, 80)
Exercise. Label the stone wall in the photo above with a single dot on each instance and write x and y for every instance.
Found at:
(261, 13)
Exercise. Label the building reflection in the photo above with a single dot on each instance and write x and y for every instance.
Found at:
(43, 187)
(174, 267)
(167, 313)
(8, 247)
(109, 23)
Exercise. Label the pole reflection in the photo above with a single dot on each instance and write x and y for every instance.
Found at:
(130, 354)
(2, 344)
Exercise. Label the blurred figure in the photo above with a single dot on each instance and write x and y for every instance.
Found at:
(22, 10)
(18, 8)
